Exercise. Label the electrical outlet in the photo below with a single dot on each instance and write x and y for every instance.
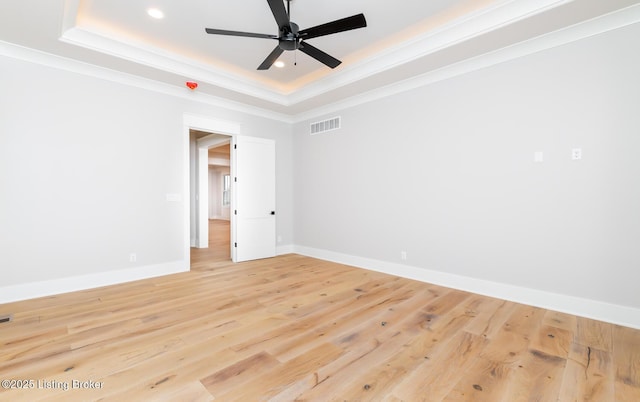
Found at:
(403, 255)
(576, 154)
(133, 257)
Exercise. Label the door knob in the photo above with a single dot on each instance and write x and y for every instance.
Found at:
(273, 212)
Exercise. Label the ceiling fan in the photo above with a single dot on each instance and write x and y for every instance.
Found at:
(290, 37)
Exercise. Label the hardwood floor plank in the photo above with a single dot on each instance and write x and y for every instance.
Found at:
(274, 381)
(491, 318)
(239, 373)
(588, 376)
(360, 341)
(360, 309)
(332, 386)
(193, 392)
(535, 376)
(552, 341)
(484, 381)
(433, 333)
(626, 356)
(594, 334)
(560, 320)
(440, 368)
(166, 373)
(514, 338)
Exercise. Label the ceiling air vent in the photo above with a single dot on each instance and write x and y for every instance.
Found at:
(325, 125)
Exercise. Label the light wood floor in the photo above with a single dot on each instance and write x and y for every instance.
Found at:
(297, 328)
(219, 250)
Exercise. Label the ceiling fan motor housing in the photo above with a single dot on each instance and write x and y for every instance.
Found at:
(289, 40)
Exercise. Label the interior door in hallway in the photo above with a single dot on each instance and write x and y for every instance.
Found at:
(254, 232)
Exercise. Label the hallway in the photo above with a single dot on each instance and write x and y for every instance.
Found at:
(219, 247)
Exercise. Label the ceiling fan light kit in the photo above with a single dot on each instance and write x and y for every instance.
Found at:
(290, 37)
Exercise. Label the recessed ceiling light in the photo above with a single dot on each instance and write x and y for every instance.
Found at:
(155, 13)
(279, 64)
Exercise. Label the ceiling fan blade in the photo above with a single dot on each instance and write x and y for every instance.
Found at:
(319, 55)
(280, 14)
(238, 33)
(271, 58)
(344, 24)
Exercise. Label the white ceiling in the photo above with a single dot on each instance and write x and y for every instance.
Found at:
(402, 40)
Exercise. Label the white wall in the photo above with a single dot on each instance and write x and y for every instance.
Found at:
(446, 173)
(85, 167)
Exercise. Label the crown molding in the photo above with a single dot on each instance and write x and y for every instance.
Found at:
(463, 29)
(161, 60)
(63, 63)
(608, 22)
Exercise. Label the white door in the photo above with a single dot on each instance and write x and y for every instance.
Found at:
(254, 234)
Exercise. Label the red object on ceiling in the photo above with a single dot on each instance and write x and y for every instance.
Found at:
(192, 85)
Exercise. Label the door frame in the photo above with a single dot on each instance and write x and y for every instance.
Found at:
(211, 125)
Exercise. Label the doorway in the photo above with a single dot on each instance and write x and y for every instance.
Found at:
(211, 198)
(252, 189)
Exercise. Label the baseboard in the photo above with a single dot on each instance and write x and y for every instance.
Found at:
(219, 218)
(597, 310)
(32, 290)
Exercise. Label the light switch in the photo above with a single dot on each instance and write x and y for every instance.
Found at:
(576, 154)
